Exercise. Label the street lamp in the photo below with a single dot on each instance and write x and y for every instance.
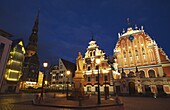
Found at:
(105, 87)
(62, 84)
(45, 64)
(98, 90)
(111, 63)
(68, 73)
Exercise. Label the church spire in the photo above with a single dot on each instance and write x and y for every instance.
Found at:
(35, 27)
(33, 39)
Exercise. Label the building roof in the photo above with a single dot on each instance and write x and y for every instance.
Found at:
(130, 31)
(16, 41)
(69, 65)
(5, 34)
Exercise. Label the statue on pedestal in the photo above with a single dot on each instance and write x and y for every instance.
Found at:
(79, 62)
(78, 88)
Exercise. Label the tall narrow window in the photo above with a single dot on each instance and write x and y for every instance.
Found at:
(105, 78)
(90, 53)
(143, 51)
(124, 54)
(96, 78)
(88, 68)
(151, 55)
(130, 54)
(94, 53)
(2, 45)
(61, 66)
(88, 78)
(96, 89)
(136, 51)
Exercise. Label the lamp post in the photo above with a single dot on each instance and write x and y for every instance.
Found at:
(68, 73)
(98, 90)
(62, 84)
(45, 64)
(111, 63)
(105, 87)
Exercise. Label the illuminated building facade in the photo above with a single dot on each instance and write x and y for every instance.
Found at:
(59, 75)
(14, 67)
(31, 62)
(144, 67)
(5, 47)
(91, 69)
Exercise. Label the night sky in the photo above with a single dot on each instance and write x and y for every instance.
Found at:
(66, 26)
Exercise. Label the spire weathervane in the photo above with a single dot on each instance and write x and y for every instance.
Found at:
(92, 37)
(128, 21)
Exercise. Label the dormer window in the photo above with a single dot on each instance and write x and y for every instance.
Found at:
(143, 51)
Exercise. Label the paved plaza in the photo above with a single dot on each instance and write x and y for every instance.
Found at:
(61, 101)
(24, 102)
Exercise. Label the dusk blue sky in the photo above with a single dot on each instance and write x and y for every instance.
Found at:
(66, 26)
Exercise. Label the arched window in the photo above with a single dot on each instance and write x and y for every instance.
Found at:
(123, 74)
(90, 54)
(131, 74)
(94, 53)
(142, 74)
(151, 74)
(151, 55)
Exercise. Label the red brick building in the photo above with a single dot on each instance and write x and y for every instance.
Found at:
(143, 65)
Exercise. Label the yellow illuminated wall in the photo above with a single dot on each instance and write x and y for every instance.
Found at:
(40, 79)
(15, 63)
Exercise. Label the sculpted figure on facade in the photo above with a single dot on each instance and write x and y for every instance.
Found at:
(116, 74)
(79, 62)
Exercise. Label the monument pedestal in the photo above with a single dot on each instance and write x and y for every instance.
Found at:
(78, 88)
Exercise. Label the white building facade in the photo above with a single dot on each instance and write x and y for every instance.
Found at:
(62, 75)
(5, 47)
(92, 69)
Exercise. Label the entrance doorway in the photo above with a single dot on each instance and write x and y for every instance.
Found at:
(118, 90)
(131, 88)
(160, 90)
(106, 91)
(147, 90)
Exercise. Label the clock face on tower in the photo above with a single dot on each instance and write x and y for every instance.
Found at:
(131, 38)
